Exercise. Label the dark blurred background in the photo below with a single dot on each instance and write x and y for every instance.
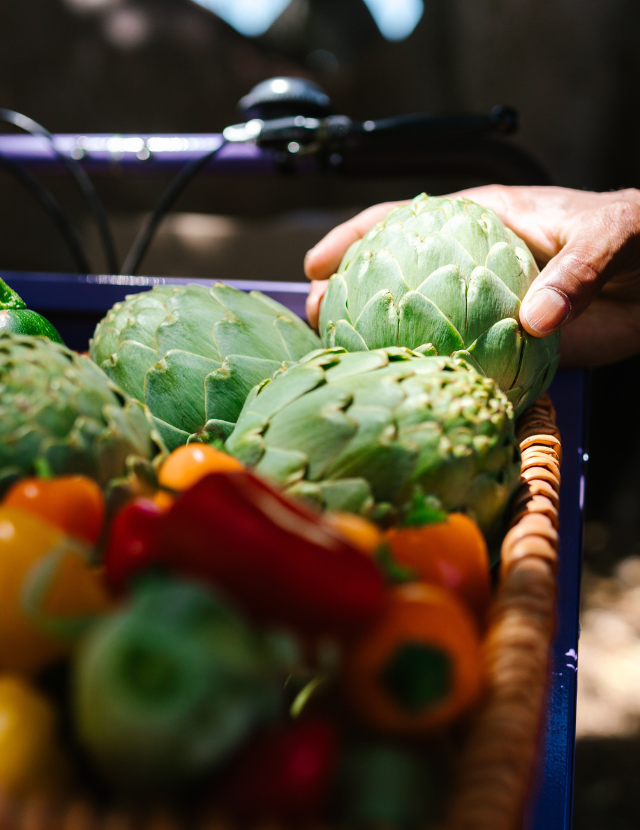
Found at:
(572, 69)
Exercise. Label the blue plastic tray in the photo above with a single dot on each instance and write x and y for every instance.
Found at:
(75, 303)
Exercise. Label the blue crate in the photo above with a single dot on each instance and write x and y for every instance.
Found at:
(74, 303)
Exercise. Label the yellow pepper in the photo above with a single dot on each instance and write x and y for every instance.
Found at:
(30, 759)
(46, 589)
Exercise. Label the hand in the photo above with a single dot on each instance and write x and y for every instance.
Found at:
(588, 243)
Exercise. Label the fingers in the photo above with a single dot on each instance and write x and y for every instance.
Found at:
(316, 293)
(599, 244)
(324, 258)
(545, 311)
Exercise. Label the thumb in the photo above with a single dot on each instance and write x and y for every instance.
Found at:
(598, 246)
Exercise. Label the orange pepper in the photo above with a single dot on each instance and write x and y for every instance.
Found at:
(34, 551)
(191, 462)
(163, 499)
(419, 666)
(452, 554)
(360, 531)
(74, 504)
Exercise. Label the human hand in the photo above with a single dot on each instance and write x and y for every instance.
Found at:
(588, 243)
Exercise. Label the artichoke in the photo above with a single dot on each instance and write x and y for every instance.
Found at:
(443, 276)
(60, 413)
(192, 354)
(371, 431)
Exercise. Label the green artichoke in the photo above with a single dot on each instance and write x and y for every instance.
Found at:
(60, 413)
(192, 354)
(443, 276)
(371, 431)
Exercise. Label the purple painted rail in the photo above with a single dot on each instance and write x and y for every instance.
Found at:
(139, 152)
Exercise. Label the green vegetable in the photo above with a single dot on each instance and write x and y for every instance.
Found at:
(368, 432)
(382, 785)
(15, 317)
(168, 687)
(443, 276)
(192, 354)
(60, 414)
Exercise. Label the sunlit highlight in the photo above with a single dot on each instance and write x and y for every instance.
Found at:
(396, 19)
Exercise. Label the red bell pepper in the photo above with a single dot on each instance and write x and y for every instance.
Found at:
(286, 774)
(132, 545)
(279, 561)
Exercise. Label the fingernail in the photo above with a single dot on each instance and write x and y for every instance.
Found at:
(545, 310)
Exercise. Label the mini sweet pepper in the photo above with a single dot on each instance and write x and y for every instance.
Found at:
(17, 318)
(31, 760)
(276, 559)
(48, 591)
(285, 774)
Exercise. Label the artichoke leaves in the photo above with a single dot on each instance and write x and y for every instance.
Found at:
(369, 431)
(193, 353)
(444, 277)
(61, 415)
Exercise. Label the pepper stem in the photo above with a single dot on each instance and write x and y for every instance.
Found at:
(418, 677)
(8, 297)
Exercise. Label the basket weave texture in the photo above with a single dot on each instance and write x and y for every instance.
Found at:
(497, 758)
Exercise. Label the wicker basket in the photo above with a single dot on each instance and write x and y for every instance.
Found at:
(497, 760)
(498, 754)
